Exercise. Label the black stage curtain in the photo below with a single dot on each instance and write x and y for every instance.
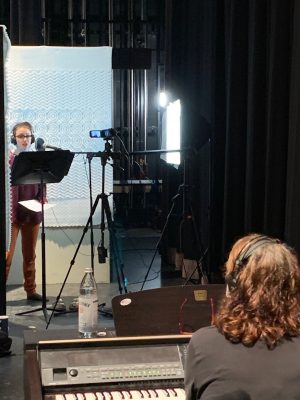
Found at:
(235, 63)
(25, 29)
(25, 23)
(3, 163)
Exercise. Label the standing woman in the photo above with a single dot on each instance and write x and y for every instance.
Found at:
(253, 352)
(23, 220)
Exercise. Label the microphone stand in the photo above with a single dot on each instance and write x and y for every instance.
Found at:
(90, 157)
(42, 168)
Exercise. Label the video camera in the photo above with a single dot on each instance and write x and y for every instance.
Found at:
(103, 134)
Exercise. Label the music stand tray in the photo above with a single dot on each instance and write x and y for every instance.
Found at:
(41, 167)
(29, 165)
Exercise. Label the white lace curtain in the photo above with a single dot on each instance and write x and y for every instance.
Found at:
(64, 92)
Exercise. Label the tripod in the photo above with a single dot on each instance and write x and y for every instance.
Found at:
(41, 168)
(105, 212)
(188, 222)
(187, 216)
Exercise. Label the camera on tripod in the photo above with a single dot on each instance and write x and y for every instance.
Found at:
(103, 134)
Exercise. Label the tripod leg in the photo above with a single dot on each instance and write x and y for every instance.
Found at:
(119, 266)
(199, 268)
(43, 239)
(158, 243)
(85, 229)
(201, 273)
(117, 251)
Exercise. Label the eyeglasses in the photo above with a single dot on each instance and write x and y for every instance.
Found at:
(23, 136)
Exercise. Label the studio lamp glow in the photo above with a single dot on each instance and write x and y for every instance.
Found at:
(163, 99)
(171, 132)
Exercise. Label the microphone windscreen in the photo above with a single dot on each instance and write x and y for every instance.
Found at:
(39, 144)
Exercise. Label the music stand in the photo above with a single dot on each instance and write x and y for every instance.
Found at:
(40, 168)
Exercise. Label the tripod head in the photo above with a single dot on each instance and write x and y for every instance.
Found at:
(105, 155)
(108, 154)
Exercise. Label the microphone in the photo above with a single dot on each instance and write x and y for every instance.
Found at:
(49, 146)
(102, 254)
(40, 145)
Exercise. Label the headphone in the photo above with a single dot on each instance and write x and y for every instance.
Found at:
(243, 256)
(13, 139)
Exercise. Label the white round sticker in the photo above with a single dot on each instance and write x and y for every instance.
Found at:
(125, 302)
(101, 333)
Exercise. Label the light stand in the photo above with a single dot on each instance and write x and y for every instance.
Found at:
(206, 251)
(187, 213)
(158, 243)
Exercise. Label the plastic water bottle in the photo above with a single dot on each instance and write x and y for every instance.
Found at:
(88, 306)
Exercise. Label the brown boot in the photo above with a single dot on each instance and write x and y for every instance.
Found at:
(35, 297)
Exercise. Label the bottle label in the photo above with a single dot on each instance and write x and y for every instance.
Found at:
(87, 314)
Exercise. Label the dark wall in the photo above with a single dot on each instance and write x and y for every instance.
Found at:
(2, 180)
(237, 63)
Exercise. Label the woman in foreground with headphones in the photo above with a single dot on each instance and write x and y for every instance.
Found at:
(253, 352)
(22, 219)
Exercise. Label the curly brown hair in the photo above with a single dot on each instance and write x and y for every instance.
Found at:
(265, 303)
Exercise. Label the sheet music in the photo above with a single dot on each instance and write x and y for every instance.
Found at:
(35, 205)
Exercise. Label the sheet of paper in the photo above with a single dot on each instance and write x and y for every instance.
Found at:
(35, 205)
